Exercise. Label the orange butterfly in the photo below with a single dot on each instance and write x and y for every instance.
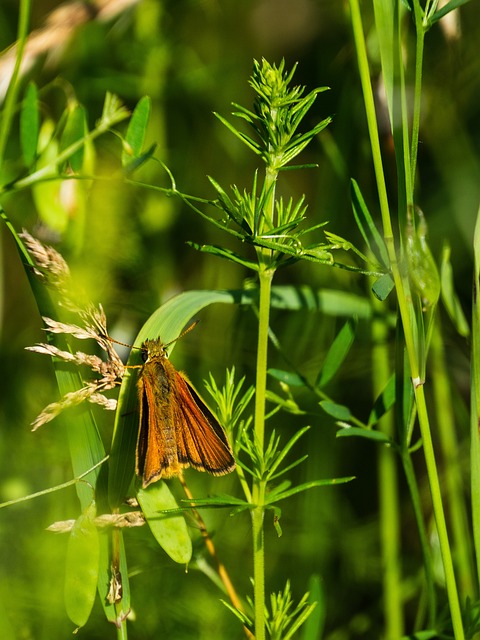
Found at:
(177, 429)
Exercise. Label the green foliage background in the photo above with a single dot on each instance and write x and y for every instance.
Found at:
(127, 249)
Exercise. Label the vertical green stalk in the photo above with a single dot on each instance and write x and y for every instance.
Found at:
(439, 513)
(417, 101)
(452, 470)
(12, 92)
(422, 535)
(388, 493)
(258, 497)
(408, 321)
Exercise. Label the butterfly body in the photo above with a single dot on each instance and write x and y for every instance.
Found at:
(177, 430)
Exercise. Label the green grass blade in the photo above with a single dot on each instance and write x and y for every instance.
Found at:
(29, 124)
(81, 576)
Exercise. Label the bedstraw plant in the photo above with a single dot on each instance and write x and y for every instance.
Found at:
(264, 233)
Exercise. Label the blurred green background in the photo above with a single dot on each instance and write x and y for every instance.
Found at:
(127, 249)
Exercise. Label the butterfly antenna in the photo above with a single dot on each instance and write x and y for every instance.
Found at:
(187, 330)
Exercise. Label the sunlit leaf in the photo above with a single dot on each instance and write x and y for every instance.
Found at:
(170, 531)
(136, 130)
(29, 124)
(75, 130)
(82, 566)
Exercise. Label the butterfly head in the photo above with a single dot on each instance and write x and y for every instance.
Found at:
(153, 349)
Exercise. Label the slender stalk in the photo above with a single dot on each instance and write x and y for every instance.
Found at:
(265, 277)
(389, 506)
(452, 472)
(439, 513)
(420, 41)
(404, 304)
(406, 310)
(422, 535)
(258, 497)
(221, 569)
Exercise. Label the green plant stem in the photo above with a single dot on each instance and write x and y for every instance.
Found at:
(389, 506)
(258, 514)
(452, 468)
(12, 92)
(265, 278)
(417, 101)
(265, 281)
(422, 535)
(404, 306)
(439, 513)
(406, 310)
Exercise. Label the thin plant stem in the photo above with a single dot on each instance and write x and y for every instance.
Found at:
(439, 513)
(405, 308)
(417, 100)
(58, 487)
(452, 469)
(408, 321)
(259, 487)
(431, 598)
(221, 570)
(121, 621)
(389, 507)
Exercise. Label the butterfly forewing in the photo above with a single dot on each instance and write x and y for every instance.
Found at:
(201, 441)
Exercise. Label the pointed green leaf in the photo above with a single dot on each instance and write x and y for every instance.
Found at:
(357, 432)
(450, 6)
(136, 130)
(29, 124)
(383, 403)
(382, 287)
(170, 531)
(224, 253)
(75, 130)
(366, 225)
(337, 411)
(288, 377)
(337, 353)
(276, 496)
(449, 295)
(82, 566)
